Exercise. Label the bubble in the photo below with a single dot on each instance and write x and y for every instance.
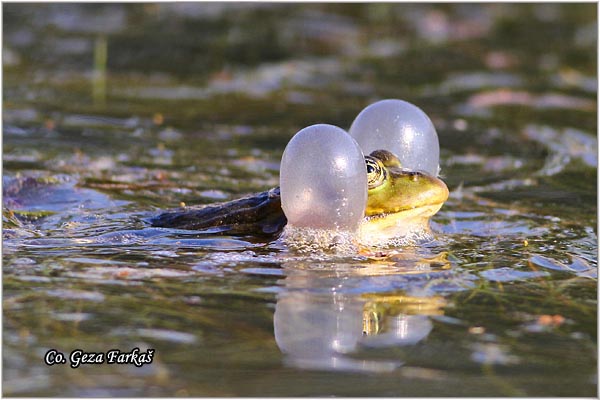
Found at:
(402, 128)
(323, 179)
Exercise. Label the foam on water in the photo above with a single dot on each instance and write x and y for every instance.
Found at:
(350, 243)
(320, 241)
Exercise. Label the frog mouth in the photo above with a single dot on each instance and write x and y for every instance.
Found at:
(400, 228)
(423, 211)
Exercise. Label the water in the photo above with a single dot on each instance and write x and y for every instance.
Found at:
(113, 113)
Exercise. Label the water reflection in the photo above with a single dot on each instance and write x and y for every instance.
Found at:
(321, 321)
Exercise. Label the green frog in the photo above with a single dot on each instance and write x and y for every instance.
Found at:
(399, 201)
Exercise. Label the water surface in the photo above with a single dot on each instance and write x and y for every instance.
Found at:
(113, 113)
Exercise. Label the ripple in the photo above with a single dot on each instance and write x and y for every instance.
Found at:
(502, 97)
(507, 274)
(263, 271)
(126, 273)
(579, 266)
(167, 335)
(76, 294)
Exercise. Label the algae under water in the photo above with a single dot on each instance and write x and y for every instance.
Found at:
(114, 112)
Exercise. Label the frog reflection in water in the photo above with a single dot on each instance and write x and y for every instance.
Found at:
(319, 328)
(399, 201)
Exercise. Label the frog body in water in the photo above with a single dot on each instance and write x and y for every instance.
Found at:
(399, 200)
(256, 214)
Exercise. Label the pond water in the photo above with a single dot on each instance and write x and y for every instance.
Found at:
(113, 113)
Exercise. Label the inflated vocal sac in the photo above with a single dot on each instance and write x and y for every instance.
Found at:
(323, 179)
(402, 128)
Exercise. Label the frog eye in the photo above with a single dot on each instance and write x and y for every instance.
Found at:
(376, 172)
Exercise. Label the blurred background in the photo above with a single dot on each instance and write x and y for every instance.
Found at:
(171, 83)
(112, 112)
